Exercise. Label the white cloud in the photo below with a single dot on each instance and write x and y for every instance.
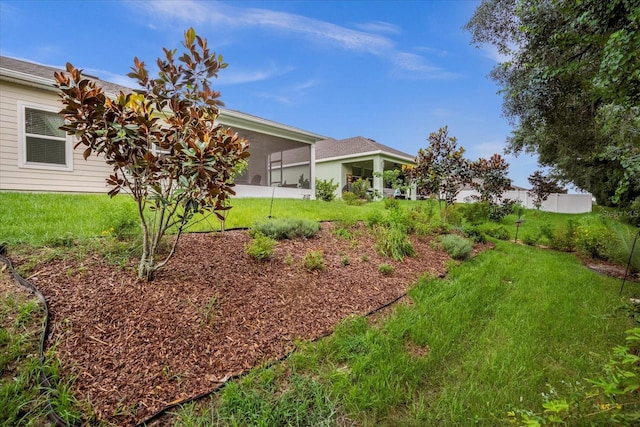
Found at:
(415, 66)
(379, 27)
(248, 76)
(363, 39)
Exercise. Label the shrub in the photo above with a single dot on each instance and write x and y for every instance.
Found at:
(454, 216)
(476, 213)
(475, 234)
(325, 190)
(286, 228)
(375, 218)
(345, 261)
(565, 238)
(393, 242)
(260, 247)
(360, 188)
(530, 238)
(498, 232)
(342, 233)
(497, 212)
(399, 219)
(385, 269)
(593, 241)
(391, 203)
(456, 246)
(547, 231)
(352, 199)
(313, 261)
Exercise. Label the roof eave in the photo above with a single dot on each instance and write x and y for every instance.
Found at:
(27, 79)
(368, 153)
(236, 119)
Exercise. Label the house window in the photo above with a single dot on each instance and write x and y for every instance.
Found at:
(43, 144)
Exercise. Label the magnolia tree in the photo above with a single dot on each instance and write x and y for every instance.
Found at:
(490, 180)
(441, 169)
(162, 141)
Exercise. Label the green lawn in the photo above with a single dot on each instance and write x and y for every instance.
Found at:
(501, 332)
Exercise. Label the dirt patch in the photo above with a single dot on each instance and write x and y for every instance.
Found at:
(137, 347)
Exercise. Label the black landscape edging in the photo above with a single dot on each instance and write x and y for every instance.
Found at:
(45, 383)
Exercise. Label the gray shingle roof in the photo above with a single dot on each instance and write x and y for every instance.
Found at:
(46, 72)
(354, 146)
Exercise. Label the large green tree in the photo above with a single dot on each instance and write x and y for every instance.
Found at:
(571, 86)
(162, 141)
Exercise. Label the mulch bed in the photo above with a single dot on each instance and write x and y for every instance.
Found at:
(213, 313)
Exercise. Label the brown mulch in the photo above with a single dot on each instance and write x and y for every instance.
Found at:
(213, 313)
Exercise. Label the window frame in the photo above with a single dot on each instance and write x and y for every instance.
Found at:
(22, 140)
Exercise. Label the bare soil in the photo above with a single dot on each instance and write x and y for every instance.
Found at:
(136, 346)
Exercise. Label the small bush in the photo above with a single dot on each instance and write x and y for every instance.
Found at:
(352, 199)
(565, 238)
(529, 238)
(343, 233)
(393, 242)
(286, 228)
(497, 212)
(399, 219)
(360, 188)
(375, 218)
(314, 261)
(456, 246)
(454, 215)
(345, 261)
(391, 203)
(476, 213)
(547, 231)
(499, 232)
(385, 269)
(593, 241)
(326, 190)
(260, 247)
(475, 234)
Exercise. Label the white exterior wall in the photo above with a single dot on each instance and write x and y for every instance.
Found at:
(325, 171)
(276, 192)
(560, 203)
(85, 176)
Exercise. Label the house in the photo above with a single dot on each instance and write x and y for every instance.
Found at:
(350, 159)
(36, 156)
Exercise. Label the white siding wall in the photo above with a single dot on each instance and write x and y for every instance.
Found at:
(87, 176)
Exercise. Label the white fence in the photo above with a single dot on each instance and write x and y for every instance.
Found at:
(561, 203)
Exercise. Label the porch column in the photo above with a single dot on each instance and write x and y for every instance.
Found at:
(312, 170)
(378, 168)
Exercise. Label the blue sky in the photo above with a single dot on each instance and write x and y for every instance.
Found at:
(393, 71)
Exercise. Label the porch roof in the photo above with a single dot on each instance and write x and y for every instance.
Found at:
(332, 149)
